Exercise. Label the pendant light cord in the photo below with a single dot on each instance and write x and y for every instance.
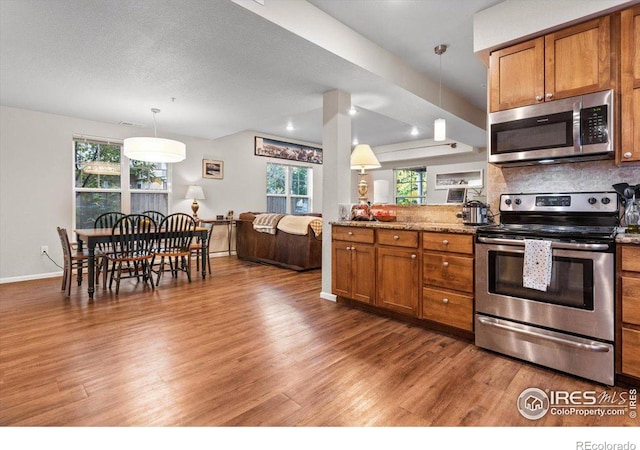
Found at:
(154, 111)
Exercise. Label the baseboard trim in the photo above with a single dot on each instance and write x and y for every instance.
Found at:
(38, 276)
(328, 296)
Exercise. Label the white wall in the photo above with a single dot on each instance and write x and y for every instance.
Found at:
(36, 182)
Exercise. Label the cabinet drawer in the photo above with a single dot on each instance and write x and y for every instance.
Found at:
(630, 353)
(451, 272)
(630, 300)
(630, 258)
(353, 234)
(448, 242)
(398, 238)
(448, 308)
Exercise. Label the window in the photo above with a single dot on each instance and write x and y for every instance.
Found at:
(289, 189)
(105, 181)
(411, 186)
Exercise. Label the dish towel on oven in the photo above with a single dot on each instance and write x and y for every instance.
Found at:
(538, 259)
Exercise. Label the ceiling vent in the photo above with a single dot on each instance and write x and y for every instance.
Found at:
(130, 124)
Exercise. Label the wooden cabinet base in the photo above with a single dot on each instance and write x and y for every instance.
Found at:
(423, 323)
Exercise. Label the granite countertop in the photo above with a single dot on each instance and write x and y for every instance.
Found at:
(624, 238)
(416, 226)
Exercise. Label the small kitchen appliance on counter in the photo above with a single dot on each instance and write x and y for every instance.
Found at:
(631, 200)
(475, 212)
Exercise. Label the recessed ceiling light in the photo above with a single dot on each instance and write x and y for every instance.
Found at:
(353, 111)
(289, 126)
(355, 141)
(414, 131)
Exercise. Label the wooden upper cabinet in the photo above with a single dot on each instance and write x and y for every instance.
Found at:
(568, 62)
(516, 75)
(630, 84)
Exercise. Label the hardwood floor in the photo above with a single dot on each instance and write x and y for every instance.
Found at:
(252, 345)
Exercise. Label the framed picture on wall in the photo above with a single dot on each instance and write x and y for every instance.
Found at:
(287, 150)
(212, 169)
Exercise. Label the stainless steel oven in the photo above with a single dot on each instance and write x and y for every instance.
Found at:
(568, 326)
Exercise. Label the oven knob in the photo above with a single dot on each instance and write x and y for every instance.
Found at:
(605, 200)
(592, 200)
(518, 201)
(508, 201)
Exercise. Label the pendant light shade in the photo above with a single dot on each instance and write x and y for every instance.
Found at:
(439, 130)
(439, 125)
(154, 149)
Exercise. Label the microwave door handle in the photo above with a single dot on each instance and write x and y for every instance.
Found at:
(557, 245)
(577, 145)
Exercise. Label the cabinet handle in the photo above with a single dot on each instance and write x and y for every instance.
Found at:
(445, 242)
(350, 233)
(539, 98)
(627, 155)
(348, 248)
(446, 263)
(353, 249)
(396, 237)
(445, 300)
(414, 256)
(549, 95)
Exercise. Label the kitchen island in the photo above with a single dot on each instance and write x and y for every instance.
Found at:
(419, 272)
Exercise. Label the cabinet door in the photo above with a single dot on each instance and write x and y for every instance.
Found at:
(630, 54)
(516, 75)
(578, 59)
(363, 273)
(341, 268)
(397, 281)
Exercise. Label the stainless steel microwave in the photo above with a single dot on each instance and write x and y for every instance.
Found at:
(568, 130)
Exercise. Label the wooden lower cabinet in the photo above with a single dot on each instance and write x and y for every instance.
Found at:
(425, 277)
(353, 264)
(448, 308)
(448, 279)
(628, 269)
(398, 280)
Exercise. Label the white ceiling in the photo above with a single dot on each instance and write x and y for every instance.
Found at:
(229, 69)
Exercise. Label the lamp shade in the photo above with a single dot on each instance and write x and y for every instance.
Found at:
(362, 157)
(195, 192)
(154, 149)
(439, 130)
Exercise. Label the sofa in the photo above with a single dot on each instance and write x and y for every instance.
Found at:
(270, 243)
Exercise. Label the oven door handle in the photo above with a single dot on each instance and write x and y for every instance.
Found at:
(559, 245)
(594, 347)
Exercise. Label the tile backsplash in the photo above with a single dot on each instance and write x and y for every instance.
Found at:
(568, 177)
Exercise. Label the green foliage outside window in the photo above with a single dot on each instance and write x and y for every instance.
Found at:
(411, 186)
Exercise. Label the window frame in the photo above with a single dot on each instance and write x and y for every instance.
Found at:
(288, 196)
(124, 190)
(422, 199)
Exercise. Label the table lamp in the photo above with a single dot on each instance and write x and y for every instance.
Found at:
(196, 193)
(363, 158)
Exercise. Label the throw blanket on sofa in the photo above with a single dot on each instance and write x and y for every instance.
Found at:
(266, 223)
(300, 225)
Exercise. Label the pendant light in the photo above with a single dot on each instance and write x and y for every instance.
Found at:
(154, 149)
(439, 125)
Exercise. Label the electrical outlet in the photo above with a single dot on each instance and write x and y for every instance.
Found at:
(44, 249)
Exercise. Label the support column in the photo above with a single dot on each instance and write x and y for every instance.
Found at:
(336, 171)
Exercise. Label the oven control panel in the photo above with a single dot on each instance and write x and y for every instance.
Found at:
(604, 202)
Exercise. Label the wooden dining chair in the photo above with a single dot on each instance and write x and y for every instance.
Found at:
(71, 260)
(177, 232)
(157, 216)
(131, 251)
(196, 247)
(105, 220)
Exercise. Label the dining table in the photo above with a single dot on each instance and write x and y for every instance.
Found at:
(91, 237)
